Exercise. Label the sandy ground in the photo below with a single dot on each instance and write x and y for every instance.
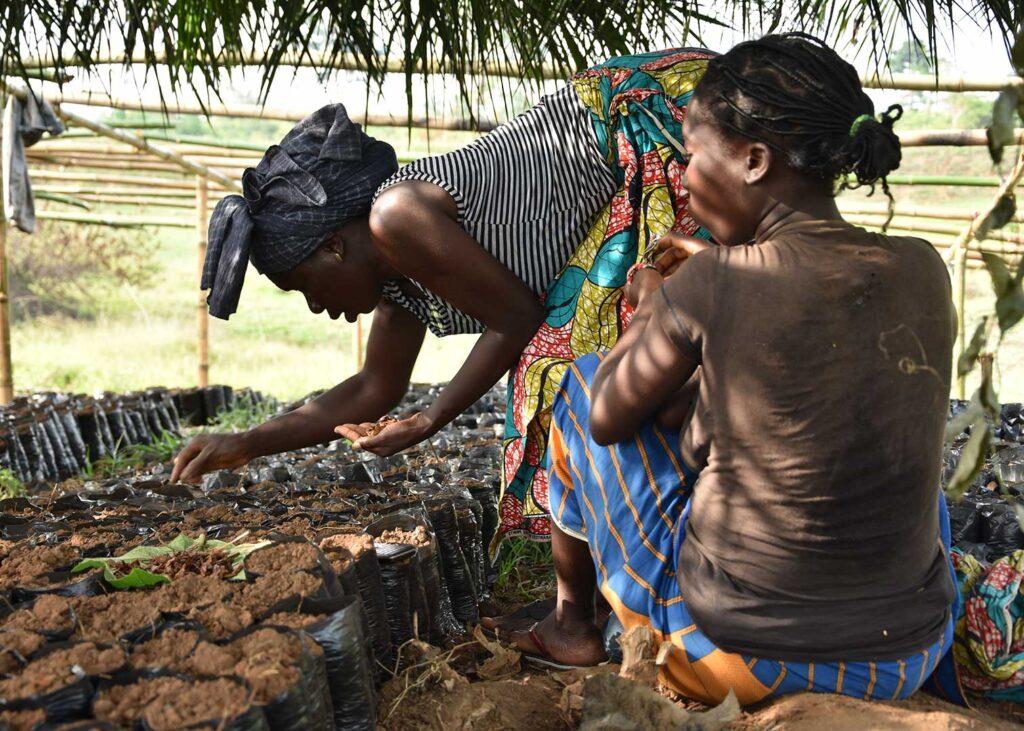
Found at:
(451, 695)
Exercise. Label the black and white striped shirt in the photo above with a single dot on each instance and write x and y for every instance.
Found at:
(527, 192)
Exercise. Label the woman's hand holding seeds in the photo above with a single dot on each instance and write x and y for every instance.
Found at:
(389, 435)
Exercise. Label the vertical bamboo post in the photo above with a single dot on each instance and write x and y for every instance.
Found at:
(6, 369)
(202, 318)
(359, 343)
(959, 302)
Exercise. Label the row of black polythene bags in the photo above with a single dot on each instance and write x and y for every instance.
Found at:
(984, 523)
(52, 436)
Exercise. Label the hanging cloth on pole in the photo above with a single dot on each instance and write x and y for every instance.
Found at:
(23, 125)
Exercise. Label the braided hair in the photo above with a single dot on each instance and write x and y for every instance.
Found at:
(795, 94)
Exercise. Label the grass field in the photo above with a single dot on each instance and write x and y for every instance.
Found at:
(146, 336)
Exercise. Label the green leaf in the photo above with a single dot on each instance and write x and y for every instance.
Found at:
(1008, 290)
(998, 217)
(970, 355)
(135, 579)
(1004, 121)
(972, 459)
(181, 543)
(1017, 53)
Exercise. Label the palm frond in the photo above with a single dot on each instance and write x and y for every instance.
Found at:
(530, 39)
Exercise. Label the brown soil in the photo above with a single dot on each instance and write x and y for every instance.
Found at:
(22, 720)
(6, 547)
(106, 618)
(167, 650)
(88, 541)
(28, 562)
(294, 527)
(49, 613)
(54, 670)
(266, 658)
(15, 646)
(527, 703)
(223, 620)
(192, 591)
(284, 557)
(293, 620)
(417, 537)
(268, 590)
(171, 703)
(216, 563)
(355, 543)
(203, 517)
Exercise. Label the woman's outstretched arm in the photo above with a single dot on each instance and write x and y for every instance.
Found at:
(415, 225)
(394, 343)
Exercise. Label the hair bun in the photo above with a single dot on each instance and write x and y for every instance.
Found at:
(874, 149)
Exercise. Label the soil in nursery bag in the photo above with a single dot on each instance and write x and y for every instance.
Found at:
(169, 649)
(49, 615)
(108, 617)
(336, 626)
(16, 647)
(261, 596)
(360, 547)
(24, 564)
(286, 674)
(222, 620)
(59, 679)
(167, 703)
(26, 720)
(194, 592)
(290, 556)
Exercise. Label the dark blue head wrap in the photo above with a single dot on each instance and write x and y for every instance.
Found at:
(324, 173)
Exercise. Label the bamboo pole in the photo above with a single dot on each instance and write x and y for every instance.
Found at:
(951, 138)
(965, 180)
(945, 214)
(253, 111)
(353, 62)
(94, 200)
(58, 146)
(133, 180)
(6, 366)
(142, 165)
(202, 317)
(115, 221)
(359, 343)
(930, 82)
(122, 191)
(960, 304)
(1017, 240)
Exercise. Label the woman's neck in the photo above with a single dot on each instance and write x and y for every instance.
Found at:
(796, 208)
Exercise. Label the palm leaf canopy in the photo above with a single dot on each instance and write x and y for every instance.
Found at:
(527, 38)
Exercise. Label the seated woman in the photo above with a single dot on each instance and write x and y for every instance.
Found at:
(812, 551)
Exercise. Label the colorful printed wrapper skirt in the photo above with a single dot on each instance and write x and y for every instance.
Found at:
(626, 501)
(637, 106)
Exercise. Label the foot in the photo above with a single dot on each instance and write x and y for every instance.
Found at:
(521, 619)
(566, 641)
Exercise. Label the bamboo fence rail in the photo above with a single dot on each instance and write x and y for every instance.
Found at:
(351, 62)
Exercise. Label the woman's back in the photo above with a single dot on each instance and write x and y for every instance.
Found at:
(825, 354)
